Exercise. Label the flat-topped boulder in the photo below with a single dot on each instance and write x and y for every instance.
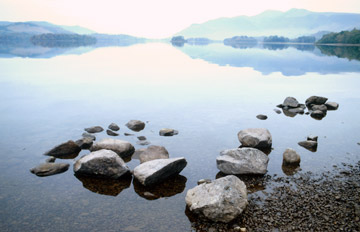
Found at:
(94, 129)
(221, 200)
(102, 163)
(122, 148)
(255, 137)
(153, 152)
(48, 169)
(158, 170)
(135, 125)
(65, 150)
(242, 161)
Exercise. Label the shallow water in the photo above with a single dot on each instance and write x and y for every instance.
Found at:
(207, 93)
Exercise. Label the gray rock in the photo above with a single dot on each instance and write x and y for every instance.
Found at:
(127, 134)
(155, 171)
(85, 143)
(114, 127)
(102, 163)
(316, 100)
(48, 169)
(141, 138)
(153, 152)
(322, 107)
(122, 148)
(204, 181)
(277, 111)
(168, 132)
(65, 150)
(332, 105)
(310, 145)
(137, 153)
(135, 125)
(94, 129)
(242, 161)
(312, 138)
(318, 114)
(143, 142)
(261, 117)
(51, 159)
(255, 137)
(291, 102)
(298, 110)
(111, 133)
(87, 135)
(222, 200)
(291, 157)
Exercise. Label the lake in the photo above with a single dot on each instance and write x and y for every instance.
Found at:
(207, 93)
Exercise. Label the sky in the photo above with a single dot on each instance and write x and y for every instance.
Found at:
(153, 18)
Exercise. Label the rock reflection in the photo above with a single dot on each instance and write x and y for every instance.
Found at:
(254, 183)
(108, 187)
(290, 170)
(168, 188)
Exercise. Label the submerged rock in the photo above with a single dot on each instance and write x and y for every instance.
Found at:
(168, 132)
(242, 161)
(291, 157)
(277, 111)
(122, 148)
(111, 133)
(94, 129)
(103, 163)
(298, 110)
(290, 102)
(153, 152)
(261, 117)
(332, 105)
(255, 137)
(114, 127)
(316, 100)
(141, 138)
(310, 145)
(66, 150)
(87, 135)
(85, 143)
(318, 114)
(222, 200)
(158, 170)
(48, 169)
(143, 142)
(135, 125)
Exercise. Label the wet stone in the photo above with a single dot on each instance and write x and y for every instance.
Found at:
(114, 127)
(261, 117)
(309, 145)
(87, 135)
(168, 132)
(48, 169)
(277, 111)
(66, 150)
(111, 133)
(84, 143)
(94, 129)
(135, 125)
(141, 138)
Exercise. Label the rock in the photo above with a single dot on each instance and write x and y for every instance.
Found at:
(277, 111)
(114, 127)
(168, 132)
(153, 152)
(222, 200)
(87, 135)
(318, 114)
(204, 181)
(155, 171)
(65, 150)
(289, 113)
(94, 129)
(48, 169)
(111, 133)
(127, 134)
(135, 125)
(242, 161)
(312, 138)
(143, 142)
(322, 108)
(51, 159)
(122, 148)
(255, 137)
(298, 110)
(102, 163)
(141, 138)
(291, 157)
(332, 105)
(85, 143)
(137, 153)
(310, 145)
(280, 106)
(316, 100)
(261, 117)
(290, 102)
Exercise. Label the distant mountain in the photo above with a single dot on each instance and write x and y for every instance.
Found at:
(293, 23)
(78, 30)
(31, 28)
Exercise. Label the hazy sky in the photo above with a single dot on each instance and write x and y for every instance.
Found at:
(152, 18)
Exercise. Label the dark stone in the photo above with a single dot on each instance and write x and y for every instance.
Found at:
(111, 133)
(48, 169)
(309, 145)
(318, 114)
(68, 150)
(277, 111)
(332, 105)
(135, 125)
(114, 127)
(141, 138)
(87, 135)
(85, 143)
(94, 129)
(127, 134)
(261, 117)
(168, 132)
(290, 102)
(51, 159)
(316, 100)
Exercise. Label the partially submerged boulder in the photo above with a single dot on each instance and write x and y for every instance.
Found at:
(122, 148)
(168, 132)
(332, 105)
(255, 137)
(85, 142)
(111, 133)
(135, 125)
(158, 170)
(153, 152)
(94, 129)
(309, 145)
(114, 127)
(290, 102)
(65, 150)
(103, 163)
(242, 161)
(316, 100)
(87, 135)
(222, 200)
(291, 157)
(48, 169)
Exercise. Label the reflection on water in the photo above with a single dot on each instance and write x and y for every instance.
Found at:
(349, 52)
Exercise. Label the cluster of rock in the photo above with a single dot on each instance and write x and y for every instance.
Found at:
(310, 144)
(317, 107)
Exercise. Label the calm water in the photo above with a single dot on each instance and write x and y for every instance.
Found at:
(208, 93)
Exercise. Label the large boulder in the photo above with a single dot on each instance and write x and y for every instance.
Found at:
(316, 100)
(135, 125)
(155, 171)
(48, 169)
(332, 105)
(65, 150)
(102, 163)
(222, 200)
(94, 129)
(242, 161)
(291, 102)
(291, 157)
(122, 148)
(152, 153)
(255, 137)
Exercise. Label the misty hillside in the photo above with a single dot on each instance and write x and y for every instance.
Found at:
(293, 23)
